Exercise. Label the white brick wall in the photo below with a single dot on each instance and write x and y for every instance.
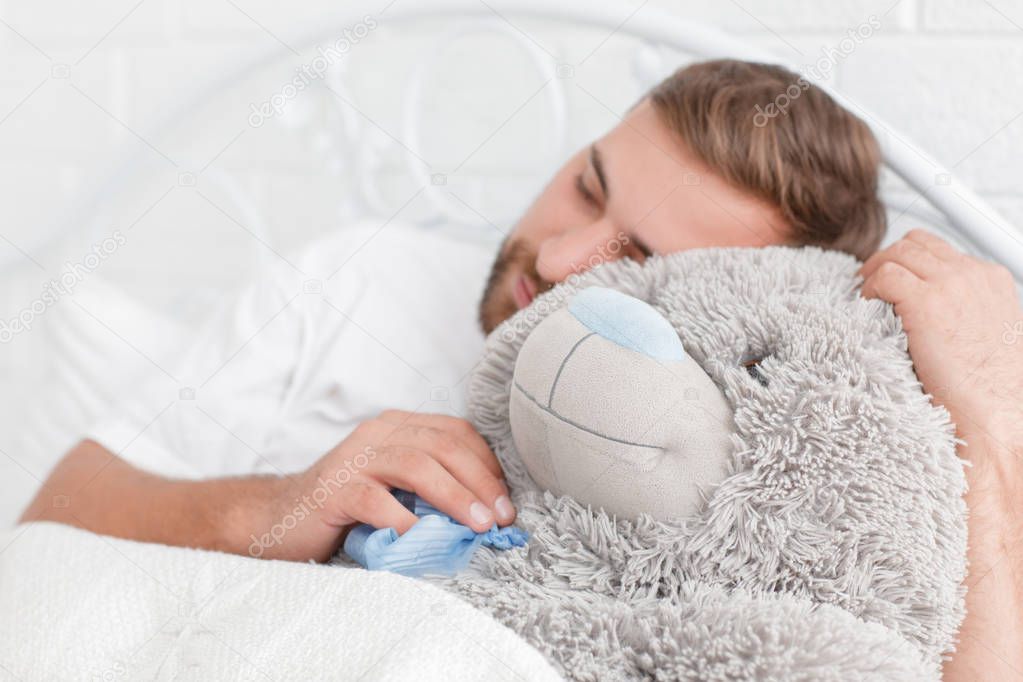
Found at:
(946, 72)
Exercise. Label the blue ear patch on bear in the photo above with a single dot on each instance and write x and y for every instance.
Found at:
(628, 322)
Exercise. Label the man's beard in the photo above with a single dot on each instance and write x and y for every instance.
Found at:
(514, 258)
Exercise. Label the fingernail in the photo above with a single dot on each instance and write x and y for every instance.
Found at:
(479, 513)
(504, 508)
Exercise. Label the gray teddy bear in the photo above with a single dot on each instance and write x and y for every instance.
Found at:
(693, 517)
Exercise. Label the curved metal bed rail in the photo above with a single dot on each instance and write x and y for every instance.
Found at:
(971, 217)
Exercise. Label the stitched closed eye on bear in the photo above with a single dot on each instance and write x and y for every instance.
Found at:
(608, 408)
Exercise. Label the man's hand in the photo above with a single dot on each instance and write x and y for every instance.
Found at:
(299, 517)
(964, 324)
(965, 330)
(442, 459)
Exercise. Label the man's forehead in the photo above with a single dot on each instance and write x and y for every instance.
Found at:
(641, 140)
(656, 178)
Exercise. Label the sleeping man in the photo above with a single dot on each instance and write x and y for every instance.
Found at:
(305, 409)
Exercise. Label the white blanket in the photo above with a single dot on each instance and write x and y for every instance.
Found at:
(74, 605)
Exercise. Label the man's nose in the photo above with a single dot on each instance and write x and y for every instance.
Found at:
(577, 249)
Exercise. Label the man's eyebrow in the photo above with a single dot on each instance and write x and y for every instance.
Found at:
(598, 166)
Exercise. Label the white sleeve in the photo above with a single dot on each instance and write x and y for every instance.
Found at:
(210, 415)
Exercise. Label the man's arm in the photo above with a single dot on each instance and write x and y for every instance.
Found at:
(299, 517)
(94, 489)
(960, 316)
(991, 638)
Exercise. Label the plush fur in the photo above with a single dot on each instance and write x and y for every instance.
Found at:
(835, 548)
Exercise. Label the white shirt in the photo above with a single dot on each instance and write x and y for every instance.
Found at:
(288, 369)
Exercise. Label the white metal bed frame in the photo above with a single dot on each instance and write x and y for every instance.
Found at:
(967, 215)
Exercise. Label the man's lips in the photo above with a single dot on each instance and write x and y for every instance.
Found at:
(524, 291)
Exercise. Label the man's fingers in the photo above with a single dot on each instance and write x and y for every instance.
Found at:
(909, 254)
(893, 283)
(415, 470)
(461, 463)
(874, 262)
(370, 502)
(933, 243)
(458, 428)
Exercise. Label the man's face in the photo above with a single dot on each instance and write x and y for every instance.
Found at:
(636, 191)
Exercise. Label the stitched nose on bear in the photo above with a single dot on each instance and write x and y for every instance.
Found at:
(607, 407)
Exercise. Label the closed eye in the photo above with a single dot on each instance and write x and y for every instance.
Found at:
(640, 250)
(584, 191)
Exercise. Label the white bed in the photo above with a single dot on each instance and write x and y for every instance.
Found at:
(134, 315)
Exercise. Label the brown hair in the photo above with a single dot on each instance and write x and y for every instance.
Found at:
(770, 132)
